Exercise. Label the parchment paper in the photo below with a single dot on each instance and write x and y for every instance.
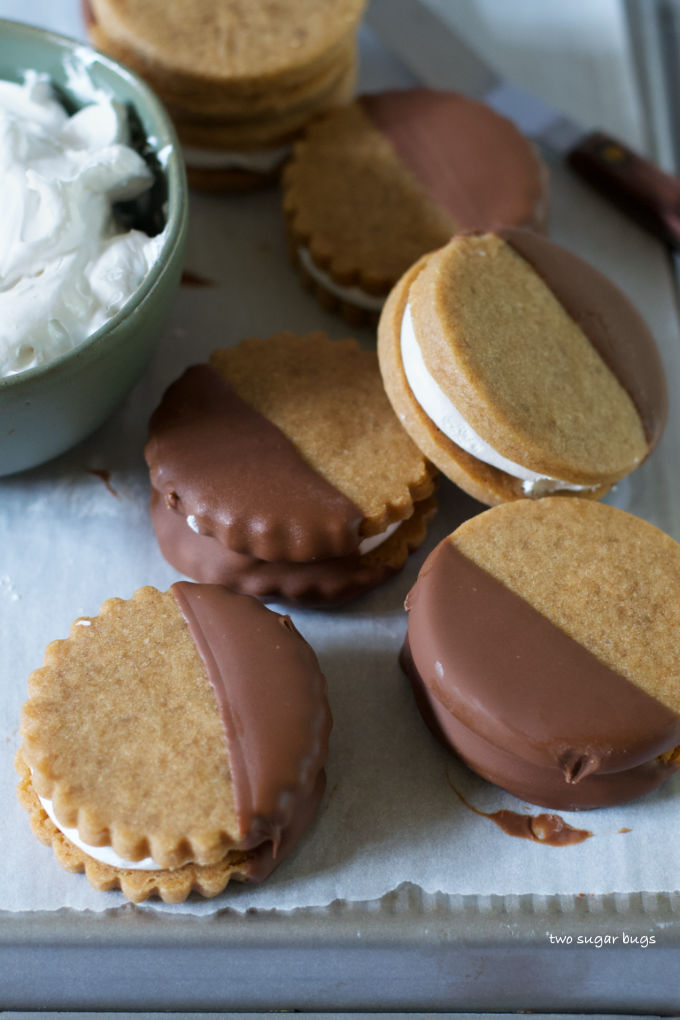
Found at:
(68, 541)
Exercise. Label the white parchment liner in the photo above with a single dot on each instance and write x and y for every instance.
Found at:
(389, 816)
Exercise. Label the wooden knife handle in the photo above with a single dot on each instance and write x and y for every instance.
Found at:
(630, 181)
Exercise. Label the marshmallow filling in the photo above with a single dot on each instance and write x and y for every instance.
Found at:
(352, 295)
(103, 854)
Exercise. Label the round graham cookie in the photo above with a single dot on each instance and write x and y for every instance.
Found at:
(198, 46)
(240, 80)
(286, 455)
(266, 106)
(544, 649)
(374, 185)
(175, 742)
(520, 370)
(229, 155)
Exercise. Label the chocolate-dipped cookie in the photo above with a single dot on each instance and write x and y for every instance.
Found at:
(280, 470)
(377, 183)
(544, 649)
(175, 742)
(520, 370)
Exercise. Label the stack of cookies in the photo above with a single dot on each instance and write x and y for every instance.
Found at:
(240, 80)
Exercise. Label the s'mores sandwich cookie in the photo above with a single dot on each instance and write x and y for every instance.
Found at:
(240, 80)
(544, 650)
(279, 469)
(175, 742)
(520, 370)
(377, 183)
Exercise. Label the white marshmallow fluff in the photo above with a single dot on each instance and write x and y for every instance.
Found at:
(65, 265)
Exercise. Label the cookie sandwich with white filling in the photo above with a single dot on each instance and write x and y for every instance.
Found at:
(543, 648)
(279, 469)
(377, 183)
(520, 370)
(175, 742)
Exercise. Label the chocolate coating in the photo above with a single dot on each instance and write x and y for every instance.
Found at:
(272, 700)
(548, 829)
(474, 163)
(319, 583)
(612, 324)
(521, 702)
(551, 830)
(215, 458)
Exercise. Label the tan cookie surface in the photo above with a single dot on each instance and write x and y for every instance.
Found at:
(171, 886)
(374, 186)
(270, 128)
(480, 480)
(327, 398)
(606, 578)
(132, 669)
(518, 368)
(267, 103)
(213, 41)
(349, 199)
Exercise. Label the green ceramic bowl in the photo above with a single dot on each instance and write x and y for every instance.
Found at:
(46, 409)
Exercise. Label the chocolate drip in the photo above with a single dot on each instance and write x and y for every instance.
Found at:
(217, 460)
(472, 162)
(191, 279)
(104, 475)
(551, 830)
(526, 779)
(612, 324)
(272, 699)
(524, 704)
(266, 857)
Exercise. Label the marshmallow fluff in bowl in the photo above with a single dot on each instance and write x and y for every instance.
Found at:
(66, 265)
(93, 227)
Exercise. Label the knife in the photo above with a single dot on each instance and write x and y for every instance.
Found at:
(439, 58)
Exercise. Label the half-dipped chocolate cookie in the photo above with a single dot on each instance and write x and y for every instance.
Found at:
(175, 742)
(279, 469)
(544, 649)
(521, 370)
(377, 183)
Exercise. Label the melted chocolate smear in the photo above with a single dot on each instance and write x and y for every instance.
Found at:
(191, 279)
(105, 477)
(549, 829)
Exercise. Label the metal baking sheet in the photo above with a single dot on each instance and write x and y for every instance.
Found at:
(408, 950)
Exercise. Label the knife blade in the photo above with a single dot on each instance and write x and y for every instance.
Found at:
(432, 51)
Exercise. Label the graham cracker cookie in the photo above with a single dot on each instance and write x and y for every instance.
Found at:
(376, 184)
(520, 370)
(229, 71)
(286, 451)
(155, 753)
(544, 648)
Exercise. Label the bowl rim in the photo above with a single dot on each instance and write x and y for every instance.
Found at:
(163, 137)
